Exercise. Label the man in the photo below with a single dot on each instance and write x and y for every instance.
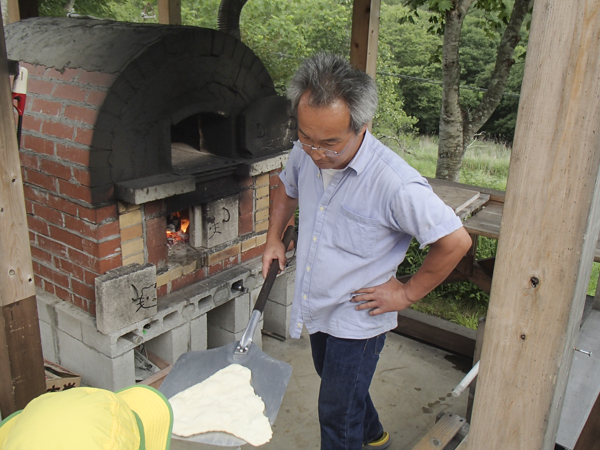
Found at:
(360, 206)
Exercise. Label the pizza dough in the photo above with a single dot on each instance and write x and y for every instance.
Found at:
(223, 402)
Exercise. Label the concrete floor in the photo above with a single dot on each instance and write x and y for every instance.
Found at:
(411, 386)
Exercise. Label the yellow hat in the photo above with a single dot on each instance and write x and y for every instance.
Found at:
(136, 418)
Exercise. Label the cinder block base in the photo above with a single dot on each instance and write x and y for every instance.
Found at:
(279, 305)
(204, 315)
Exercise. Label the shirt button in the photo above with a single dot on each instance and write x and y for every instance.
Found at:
(304, 296)
(308, 268)
(321, 208)
(315, 238)
(299, 325)
(318, 175)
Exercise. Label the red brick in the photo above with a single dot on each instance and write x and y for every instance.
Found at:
(112, 262)
(38, 282)
(107, 212)
(46, 107)
(63, 294)
(41, 255)
(48, 214)
(52, 246)
(156, 232)
(57, 129)
(215, 268)
(79, 302)
(39, 179)
(31, 123)
(48, 287)
(83, 290)
(74, 191)
(154, 209)
(34, 71)
(56, 169)
(29, 161)
(96, 97)
(68, 267)
(65, 75)
(84, 136)
(107, 230)
(246, 223)
(96, 78)
(66, 237)
(73, 154)
(161, 291)
(246, 202)
(35, 194)
(83, 260)
(38, 145)
(80, 226)
(70, 92)
(253, 253)
(81, 114)
(158, 255)
(230, 262)
(89, 277)
(82, 176)
(36, 86)
(108, 248)
(62, 204)
(29, 207)
(56, 277)
(182, 282)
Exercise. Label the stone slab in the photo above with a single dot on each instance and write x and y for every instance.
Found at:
(155, 187)
(125, 296)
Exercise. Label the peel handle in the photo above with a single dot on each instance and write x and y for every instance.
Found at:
(288, 236)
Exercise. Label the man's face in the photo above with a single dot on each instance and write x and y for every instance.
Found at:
(328, 128)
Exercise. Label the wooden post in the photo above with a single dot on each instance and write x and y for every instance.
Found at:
(365, 35)
(21, 361)
(548, 234)
(169, 12)
(13, 11)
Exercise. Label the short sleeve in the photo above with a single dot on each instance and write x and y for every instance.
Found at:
(289, 175)
(419, 212)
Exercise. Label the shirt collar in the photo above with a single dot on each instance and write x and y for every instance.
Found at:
(363, 155)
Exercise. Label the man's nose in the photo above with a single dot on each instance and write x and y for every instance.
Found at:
(317, 155)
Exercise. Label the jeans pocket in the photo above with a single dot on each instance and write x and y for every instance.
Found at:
(379, 343)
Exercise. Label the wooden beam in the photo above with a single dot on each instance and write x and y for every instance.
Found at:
(169, 12)
(22, 372)
(13, 11)
(548, 234)
(365, 35)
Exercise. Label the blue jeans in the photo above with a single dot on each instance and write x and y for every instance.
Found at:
(346, 367)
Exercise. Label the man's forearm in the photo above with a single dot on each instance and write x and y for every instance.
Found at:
(442, 258)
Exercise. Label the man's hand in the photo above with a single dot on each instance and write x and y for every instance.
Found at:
(387, 297)
(273, 250)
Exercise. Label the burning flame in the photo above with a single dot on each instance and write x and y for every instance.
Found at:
(185, 223)
(177, 237)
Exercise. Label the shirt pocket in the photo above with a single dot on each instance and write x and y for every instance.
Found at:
(355, 233)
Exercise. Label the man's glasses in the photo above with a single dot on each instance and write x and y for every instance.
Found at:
(325, 151)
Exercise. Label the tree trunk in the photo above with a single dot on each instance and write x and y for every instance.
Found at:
(457, 127)
(450, 150)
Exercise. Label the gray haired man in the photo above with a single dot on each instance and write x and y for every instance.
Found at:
(360, 206)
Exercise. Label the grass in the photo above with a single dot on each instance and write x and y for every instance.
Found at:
(485, 164)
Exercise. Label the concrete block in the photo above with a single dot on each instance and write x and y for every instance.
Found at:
(125, 296)
(45, 306)
(67, 320)
(214, 223)
(96, 369)
(233, 316)
(199, 334)
(279, 291)
(277, 318)
(217, 336)
(48, 340)
(172, 344)
(267, 164)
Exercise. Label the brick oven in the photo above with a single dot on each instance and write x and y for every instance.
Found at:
(148, 154)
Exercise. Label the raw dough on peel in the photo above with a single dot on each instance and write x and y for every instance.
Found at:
(223, 402)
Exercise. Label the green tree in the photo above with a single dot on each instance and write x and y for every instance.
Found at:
(457, 124)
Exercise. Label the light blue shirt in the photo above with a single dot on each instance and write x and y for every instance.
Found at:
(355, 233)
